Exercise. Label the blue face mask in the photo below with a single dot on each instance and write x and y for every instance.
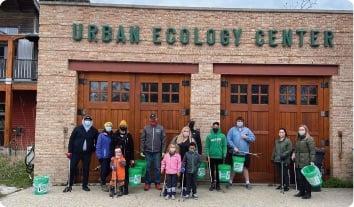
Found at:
(108, 129)
(87, 123)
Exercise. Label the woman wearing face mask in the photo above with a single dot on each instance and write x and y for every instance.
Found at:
(182, 141)
(104, 152)
(124, 140)
(304, 155)
(281, 153)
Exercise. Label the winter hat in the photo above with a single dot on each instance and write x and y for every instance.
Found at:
(108, 124)
(123, 123)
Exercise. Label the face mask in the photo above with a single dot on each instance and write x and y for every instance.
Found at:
(123, 128)
(215, 130)
(191, 149)
(87, 122)
(185, 134)
(239, 124)
(153, 122)
(191, 125)
(302, 133)
(108, 129)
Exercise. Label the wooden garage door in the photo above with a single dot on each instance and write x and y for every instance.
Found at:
(268, 103)
(133, 97)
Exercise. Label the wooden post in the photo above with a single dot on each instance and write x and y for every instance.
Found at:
(8, 91)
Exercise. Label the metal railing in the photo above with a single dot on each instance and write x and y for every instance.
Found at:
(2, 67)
(25, 69)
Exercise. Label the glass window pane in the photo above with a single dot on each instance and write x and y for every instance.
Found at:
(234, 99)
(125, 97)
(144, 97)
(292, 100)
(175, 87)
(255, 89)
(304, 90)
(313, 100)
(104, 96)
(154, 97)
(125, 86)
(243, 88)
(104, 86)
(304, 100)
(264, 89)
(313, 90)
(153, 87)
(282, 89)
(145, 87)
(255, 99)
(93, 86)
(166, 87)
(264, 99)
(116, 86)
(243, 99)
(115, 97)
(234, 88)
(165, 98)
(292, 90)
(282, 99)
(93, 97)
(175, 98)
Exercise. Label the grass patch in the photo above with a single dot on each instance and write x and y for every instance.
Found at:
(333, 182)
(13, 173)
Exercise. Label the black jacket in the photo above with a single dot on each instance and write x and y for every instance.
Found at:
(191, 162)
(126, 143)
(79, 135)
(196, 137)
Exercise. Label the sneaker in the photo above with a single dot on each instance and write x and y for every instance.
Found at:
(67, 189)
(286, 188)
(195, 196)
(157, 186)
(146, 187)
(85, 188)
(299, 194)
(167, 197)
(186, 196)
(278, 188)
(248, 186)
(173, 197)
(306, 196)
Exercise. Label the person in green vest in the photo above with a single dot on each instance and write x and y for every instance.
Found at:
(215, 149)
(281, 157)
(303, 155)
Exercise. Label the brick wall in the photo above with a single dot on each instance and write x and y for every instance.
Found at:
(55, 112)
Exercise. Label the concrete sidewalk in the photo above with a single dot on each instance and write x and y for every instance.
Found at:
(260, 195)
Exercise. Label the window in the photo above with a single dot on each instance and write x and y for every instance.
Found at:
(170, 93)
(98, 91)
(309, 94)
(238, 94)
(260, 94)
(120, 91)
(149, 93)
(287, 94)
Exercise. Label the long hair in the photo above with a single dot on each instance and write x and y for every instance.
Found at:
(306, 130)
(180, 137)
(286, 133)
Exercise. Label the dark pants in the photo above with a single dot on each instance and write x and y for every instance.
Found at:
(75, 159)
(154, 158)
(214, 163)
(171, 184)
(303, 185)
(105, 169)
(126, 183)
(285, 173)
(191, 182)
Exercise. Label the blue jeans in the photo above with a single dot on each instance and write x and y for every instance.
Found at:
(153, 157)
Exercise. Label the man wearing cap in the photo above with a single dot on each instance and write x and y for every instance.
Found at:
(153, 143)
(81, 145)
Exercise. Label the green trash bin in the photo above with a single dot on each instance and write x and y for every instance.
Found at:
(238, 162)
(40, 185)
(312, 175)
(201, 171)
(142, 164)
(224, 173)
(135, 176)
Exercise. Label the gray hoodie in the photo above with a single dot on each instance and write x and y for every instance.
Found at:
(153, 139)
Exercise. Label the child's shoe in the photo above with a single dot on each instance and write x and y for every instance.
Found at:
(173, 197)
(195, 196)
(167, 197)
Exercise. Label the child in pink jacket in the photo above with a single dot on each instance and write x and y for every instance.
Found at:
(171, 165)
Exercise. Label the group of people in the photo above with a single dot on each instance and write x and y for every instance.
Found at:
(182, 158)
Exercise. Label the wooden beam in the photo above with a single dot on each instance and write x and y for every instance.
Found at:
(8, 92)
(32, 86)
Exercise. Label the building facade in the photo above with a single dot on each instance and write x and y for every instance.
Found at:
(274, 68)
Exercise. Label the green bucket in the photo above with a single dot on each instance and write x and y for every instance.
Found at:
(224, 173)
(312, 175)
(142, 165)
(135, 176)
(40, 185)
(238, 162)
(201, 171)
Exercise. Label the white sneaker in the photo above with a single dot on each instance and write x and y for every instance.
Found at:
(186, 196)
(167, 197)
(173, 197)
(195, 196)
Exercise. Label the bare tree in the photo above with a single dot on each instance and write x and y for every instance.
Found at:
(299, 4)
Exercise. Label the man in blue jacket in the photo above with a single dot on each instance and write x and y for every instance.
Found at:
(239, 138)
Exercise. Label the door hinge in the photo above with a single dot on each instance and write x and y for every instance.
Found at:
(186, 83)
(82, 81)
(224, 83)
(324, 85)
(224, 112)
(324, 113)
(185, 112)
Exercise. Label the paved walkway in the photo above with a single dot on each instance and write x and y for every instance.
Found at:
(260, 195)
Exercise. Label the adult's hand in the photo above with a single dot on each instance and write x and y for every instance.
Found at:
(68, 155)
(293, 156)
(142, 154)
(236, 150)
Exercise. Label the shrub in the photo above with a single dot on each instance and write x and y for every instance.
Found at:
(13, 173)
(333, 182)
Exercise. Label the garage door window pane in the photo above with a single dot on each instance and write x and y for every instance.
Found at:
(149, 93)
(98, 91)
(170, 92)
(154, 98)
(260, 94)
(120, 89)
(238, 94)
(287, 94)
(309, 94)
